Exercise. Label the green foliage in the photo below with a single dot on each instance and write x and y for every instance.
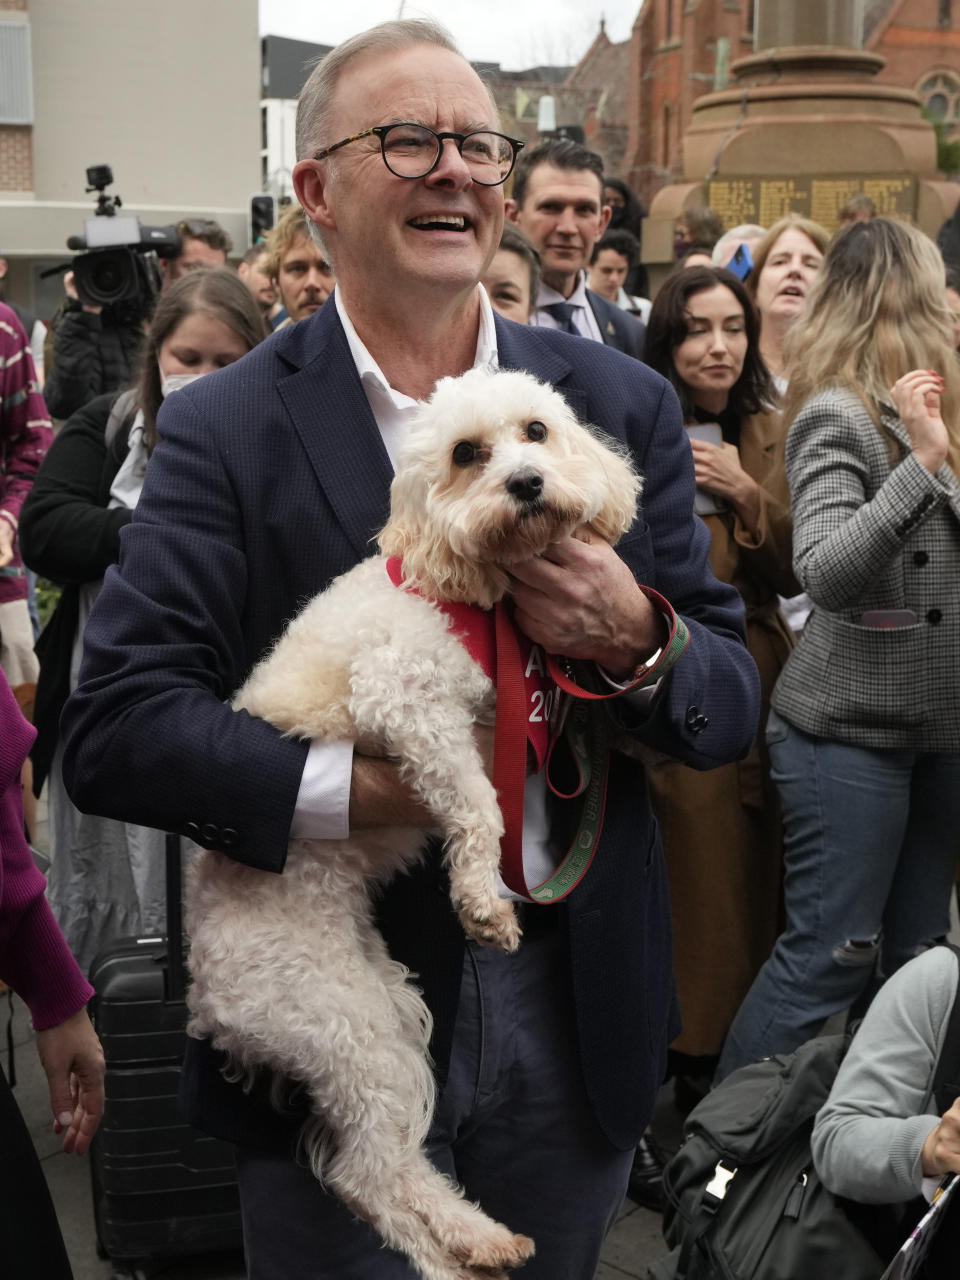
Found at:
(948, 146)
(48, 596)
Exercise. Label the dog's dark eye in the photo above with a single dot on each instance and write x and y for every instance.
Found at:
(464, 453)
(536, 432)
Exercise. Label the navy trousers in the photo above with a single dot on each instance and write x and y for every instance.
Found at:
(513, 1127)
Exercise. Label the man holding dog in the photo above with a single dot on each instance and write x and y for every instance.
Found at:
(271, 479)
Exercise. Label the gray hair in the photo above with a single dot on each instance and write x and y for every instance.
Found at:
(316, 98)
(725, 246)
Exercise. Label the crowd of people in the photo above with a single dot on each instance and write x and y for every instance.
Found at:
(791, 399)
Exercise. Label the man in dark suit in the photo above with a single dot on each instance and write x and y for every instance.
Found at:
(272, 478)
(557, 200)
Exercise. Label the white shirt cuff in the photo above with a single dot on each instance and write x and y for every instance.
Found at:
(323, 802)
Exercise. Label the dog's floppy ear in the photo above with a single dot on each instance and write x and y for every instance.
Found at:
(405, 523)
(621, 487)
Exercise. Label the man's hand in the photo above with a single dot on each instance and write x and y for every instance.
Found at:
(70, 289)
(72, 1059)
(941, 1151)
(7, 537)
(378, 796)
(579, 599)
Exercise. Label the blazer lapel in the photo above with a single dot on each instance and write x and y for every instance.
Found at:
(518, 348)
(604, 315)
(349, 459)
(323, 387)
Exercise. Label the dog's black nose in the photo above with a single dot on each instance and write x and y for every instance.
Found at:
(525, 485)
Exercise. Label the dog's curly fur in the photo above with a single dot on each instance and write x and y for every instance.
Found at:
(289, 971)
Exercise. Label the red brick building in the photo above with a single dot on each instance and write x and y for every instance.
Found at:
(920, 40)
(681, 49)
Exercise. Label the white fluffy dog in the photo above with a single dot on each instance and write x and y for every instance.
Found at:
(289, 971)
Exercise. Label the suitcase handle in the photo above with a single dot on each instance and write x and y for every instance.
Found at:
(176, 970)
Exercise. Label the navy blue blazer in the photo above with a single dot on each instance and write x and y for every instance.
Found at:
(270, 480)
(619, 329)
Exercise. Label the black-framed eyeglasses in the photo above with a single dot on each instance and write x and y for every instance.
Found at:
(413, 151)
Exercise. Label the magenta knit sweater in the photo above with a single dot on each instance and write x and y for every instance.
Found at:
(34, 958)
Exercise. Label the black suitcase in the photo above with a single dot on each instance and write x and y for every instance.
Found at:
(161, 1188)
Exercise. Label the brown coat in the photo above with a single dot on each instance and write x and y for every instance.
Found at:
(721, 829)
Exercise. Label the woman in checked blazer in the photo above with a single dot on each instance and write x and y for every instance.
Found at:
(864, 730)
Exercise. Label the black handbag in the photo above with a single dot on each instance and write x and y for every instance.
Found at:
(743, 1199)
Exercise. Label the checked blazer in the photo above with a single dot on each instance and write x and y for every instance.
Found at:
(872, 530)
(271, 479)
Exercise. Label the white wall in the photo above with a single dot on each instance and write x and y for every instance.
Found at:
(167, 92)
(164, 91)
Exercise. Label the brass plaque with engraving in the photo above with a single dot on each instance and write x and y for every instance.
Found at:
(765, 200)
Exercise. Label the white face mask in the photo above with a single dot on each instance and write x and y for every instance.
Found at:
(174, 381)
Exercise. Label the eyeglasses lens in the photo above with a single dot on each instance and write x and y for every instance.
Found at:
(411, 151)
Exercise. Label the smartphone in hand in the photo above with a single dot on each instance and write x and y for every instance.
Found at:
(741, 264)
(704, 502)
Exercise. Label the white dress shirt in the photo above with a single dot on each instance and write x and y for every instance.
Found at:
(323, 803)
(584, 321)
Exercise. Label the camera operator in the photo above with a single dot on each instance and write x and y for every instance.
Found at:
(203, 243)
(95, 348)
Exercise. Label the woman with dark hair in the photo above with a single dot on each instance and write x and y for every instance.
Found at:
(627, 213)
(721, 829)
(864, 727)
(106, 877)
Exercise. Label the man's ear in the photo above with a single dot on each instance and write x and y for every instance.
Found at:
(511, 210)
(310, 185)
(605, 215)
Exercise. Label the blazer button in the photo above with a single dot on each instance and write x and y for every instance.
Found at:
(920, 558)
(192, 831)
(229, 838)
(695, 719)
(934, 616)
(209, 833)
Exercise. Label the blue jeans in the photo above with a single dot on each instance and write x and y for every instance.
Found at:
(871, 840)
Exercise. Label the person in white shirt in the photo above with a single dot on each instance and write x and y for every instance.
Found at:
(557, 200)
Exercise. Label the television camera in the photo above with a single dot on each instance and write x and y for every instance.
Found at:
(119, 265)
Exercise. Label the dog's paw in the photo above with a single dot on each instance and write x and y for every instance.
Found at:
(502, 1250)
(493, 924)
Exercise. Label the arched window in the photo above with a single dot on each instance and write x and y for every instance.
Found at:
(939, 91)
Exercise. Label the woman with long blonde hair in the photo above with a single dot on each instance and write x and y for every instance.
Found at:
(864, 728)
(785, 266)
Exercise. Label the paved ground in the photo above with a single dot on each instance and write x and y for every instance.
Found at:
(634, 1241)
